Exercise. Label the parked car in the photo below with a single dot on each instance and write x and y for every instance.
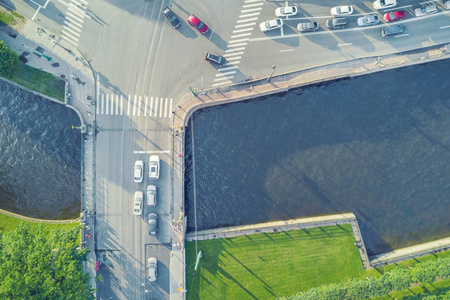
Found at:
(195, 22)
(152, 269)
(427, 10)
(341, 10)
(153, 172)
(168, 13)
(382, 4)
(393, 30)
(151, 195)
(394, 16)
(368, 21)
(153, 224)
(271, 25)
(336, 23)
(138, 203)
(447, 5)
(286, 11)
(308, 26)
(221, 61)
(138, 171)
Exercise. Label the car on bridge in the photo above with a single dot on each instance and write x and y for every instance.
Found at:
(138, 203)
(168, 13)
(368, 21)
(427, 10)
(153, 172)
(341, 10)
(138, 171)
(151, 195)
(152, 265)
(307, 26)
(286, 11)
(382, 4)
(195, 22)
(394, 16)
(336, 23)
(221, 61)
(153, 224)
(447, 5)
(271, 25)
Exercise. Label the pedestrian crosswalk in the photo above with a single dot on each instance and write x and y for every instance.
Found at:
(140, 106)
(239, 39)
(73, 22)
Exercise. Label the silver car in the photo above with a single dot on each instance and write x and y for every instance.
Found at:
(138, 171)
(151, 195)
(368, 21)
(152, 269)
(271, 25)
(153, 224)
(153, 172)
(308, 26)
(427, 10)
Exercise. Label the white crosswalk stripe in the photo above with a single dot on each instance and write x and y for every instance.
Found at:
(74, 19)
(136, 105)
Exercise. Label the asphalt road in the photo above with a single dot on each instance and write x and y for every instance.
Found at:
(144, 66)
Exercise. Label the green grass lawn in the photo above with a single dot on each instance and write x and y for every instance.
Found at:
(40, 81)
(267, 266)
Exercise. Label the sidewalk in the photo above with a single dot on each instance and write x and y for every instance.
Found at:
(67, 64)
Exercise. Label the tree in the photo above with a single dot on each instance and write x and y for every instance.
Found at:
(9, 62)
(38, 264)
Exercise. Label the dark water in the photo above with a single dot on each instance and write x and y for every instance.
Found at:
(377, 146)
(40, 156)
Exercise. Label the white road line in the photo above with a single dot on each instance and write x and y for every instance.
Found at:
(403, 35)
(107, 104)
(247, 20)
(35, 13)
(221, 83)
(251, 9)
(226, 69)
(156, 107)
(442, 27)
(250, 1)
(242, 30)
(245, 25)
(102, 103)
(288, 50)
(223, 78)
(170, 105)
(226, 73)
(233, 54)
(121, 105)
(238, 41)
(75, 17)
(134, 105)
(73, 32)
(232, 63)
(249, 15)
(165, 107)
(71, 26)
(139, 106)
(281, 30)
(233, 58)
(151, 107)
(72, 23)
(76, 10)
(161, 107)
(112, 104)
(396, 8)
(70, 41)
(145, 109)
(347, 44)
(241, 35)
(237, 45)
(129, 104)
(147, 152)
(235, 49)
(70, 36)
(426, 2)
(62, 2)
(253, 5)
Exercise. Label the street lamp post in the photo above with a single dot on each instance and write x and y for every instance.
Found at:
(274, 68)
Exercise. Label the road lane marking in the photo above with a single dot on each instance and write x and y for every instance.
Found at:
(230, 63)
(253, 5)
(233, 58)
(226, 69)
(226, 73)
(156, 106)
(75, 17)
(221, 83)
(341, 45)
(288, 50)
(250, 1)
(281, 30)
(121, 105)
(245, 25)
(242, 30)
(102, 104)
(251, 9)
(240, 35)
(161, 107)
(247, 20)
(134, 105)
(233, 54)
(442, 27)
(427, 2)
(165, 107)
(147, 152)
(128, 105)
(107, 104)
(238, 41)
(70, 36)
(112, 104)
(395, 8)
(237, 45)
(223, 78)
(235, 49)
(151, 107)
(170, 105)
(139, 106)
(71, 26)
(145, 109)
(403, 35)
(249, 15)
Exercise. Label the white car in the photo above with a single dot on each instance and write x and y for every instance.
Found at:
(138, 203)
(447, 5)
(153, 172)
(271, 25)
(287, 11)
(341, 10)
(151, 195)
(427, 10)
(152, 269)
(138, 171)
(382, 4)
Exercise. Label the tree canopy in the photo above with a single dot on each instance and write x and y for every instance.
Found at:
(9, 61)
(36, 263)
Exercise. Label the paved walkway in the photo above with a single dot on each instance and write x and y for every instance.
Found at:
(68, 64)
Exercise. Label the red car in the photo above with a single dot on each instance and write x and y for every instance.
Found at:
(195, 22)
(394, 16)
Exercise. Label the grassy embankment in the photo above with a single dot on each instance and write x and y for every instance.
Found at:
(31, 78)
(268, 266)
